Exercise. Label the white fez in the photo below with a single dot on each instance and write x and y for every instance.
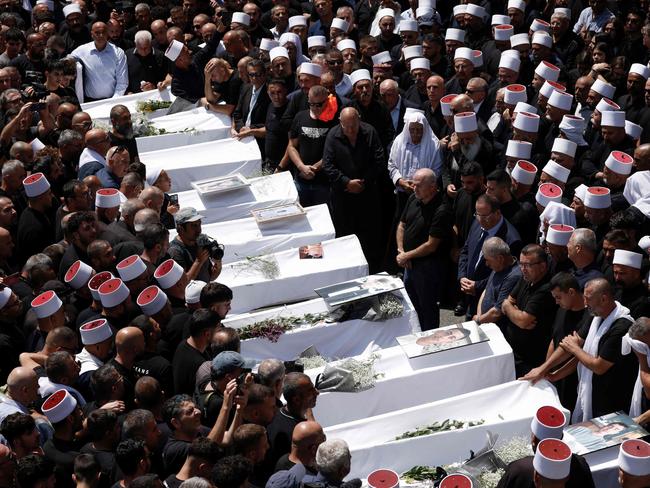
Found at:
(58, 406)
(381, 58)
(634, 457)
(606, 105)
(503, 32)
(598, 197)
(78, 275)
(526, 122)
(95, 331)
(464, 53)
(509, 62)
(46, 304)
(37, 145)
(445, 104)
(420, 63)
(514, 94)
(559, 234)
(5, 295)
(560, 100)
(556, 171)
(314, 41)
(549, 421)
(113, 292)
(564, 146)
(297, 20)
(455, 35)
(640, 69)
(633, 130)
(411, 52)
(385, 12)
(340, 24)
(628, 258)
(268, 44)
(549, 87)
(500, 20)
(548, 192)
(539, 25)
(613, 119)
(174, 49)
(574, 122)
(151, 300)
(346, 44)
(564, 12)
(456, 480)
(241, 18)
(477, 58)
(603, 88)
(72, 8)
(278, 52)
(35, 185)
(424, 15)
(465, 122)
(311, 69)
(519, 150)
(168, 274)
(542, 38)
(107, 198)
(408, 26)
(460, 9)
(475, 10)
(96, 281)
(548, 71)
(518, 4)
(644, 243)
(519, 40)
(524, 172)
(193, 291)
(620, 162)
(130, 268)
(524, 107)
(552, 459)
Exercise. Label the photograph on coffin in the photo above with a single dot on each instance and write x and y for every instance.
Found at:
(602, 432)
(222, 184)
(272, 214)
(357, 289)
(442, 339)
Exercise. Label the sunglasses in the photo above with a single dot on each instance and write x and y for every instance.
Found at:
(335, 62)
(316, 104)
(255, 75)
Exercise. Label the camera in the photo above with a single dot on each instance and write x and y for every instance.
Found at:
(215, 250)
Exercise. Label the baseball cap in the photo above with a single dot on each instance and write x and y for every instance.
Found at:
(187, 214)
(227, 361)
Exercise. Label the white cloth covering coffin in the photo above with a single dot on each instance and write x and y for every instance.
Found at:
(407, 383)
(342, 260)
(332, 339)
(100, 110)
(175, 139)
(265, 191)
(197, 119)
(224, 157)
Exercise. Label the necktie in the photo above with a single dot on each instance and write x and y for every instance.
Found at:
(479, 250)
(254, 95)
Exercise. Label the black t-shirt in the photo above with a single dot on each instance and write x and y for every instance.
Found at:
(62, 454)
(106, 460)
(229, 89)
(185, 256)
(174, 455)
(280, 431)
(156, 366)
(275, 142)
(186, 361)
(172, 481)
(422, 220)
(519, 474)
(311, 134)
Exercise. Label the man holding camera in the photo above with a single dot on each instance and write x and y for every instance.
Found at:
(199, 255)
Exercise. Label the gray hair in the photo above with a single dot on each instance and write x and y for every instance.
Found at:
(37, 260)
(196, 482)
(428, 175)
(495, 246)
(318, 58)
(69, 136)
(332, 456)
(5, 95)
(270, 371)
(142, 6)
(585, 238)
(10, 167)
(131, 207)
(142, 37)
(640, 328)
(144, 217)
(135, 423)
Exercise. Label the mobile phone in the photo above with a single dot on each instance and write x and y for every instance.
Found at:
(37, 107)
(240, 382)
(173, 200)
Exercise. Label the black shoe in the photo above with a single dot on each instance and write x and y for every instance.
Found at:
(460, 309)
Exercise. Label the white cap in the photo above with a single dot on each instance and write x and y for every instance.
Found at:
(552, 459)
(619, 162)
(151, 300)
(193, 291)
(241, 18)
(96, 281)
(603, 88)
(598, 197)
(113, 292)
(518, 4)
(424, 15)
(613, 119)
(559, 234)
(37, 145)
(640, 69)
(130, 268)
(95, 332)
(477, 58)
(456, 480)
(572, 122)
(548, 71)
(381, 58)
(168, 273)
(475, 10)
(455, 35)
(359, 75)
(278, 52)
(519, 40)
(344, 44)
(581, 192)
(633, 130)
(524, 172)
(564, 146)
(5, 295)
(71, 8)
(539, 25)
(313, 41)
(503, 32)
(644, 243)
(520, 150)
(606, 105)
(542, 38)
(566, 12)
(58, 406)
(465, 122)
(311, 69)
(556, 171)
(174, 50)
(460, 9)
(46, 304)
(268, 44)
(420, 63)
(383, 478)
(549, 87)
(548, 192)
(340, 24)
(500, 20)
(527, 122)
(509, 62)
(445, 104)
(464, 53)
(78, 275)
(107, 198)
(514, 94)
(628, 258)
(524, 107)
(296, 20)
(408, 26)
(634, 457)
(549, 421)
(385, 12)
(35, 185)
(560, 100)
(411, 52)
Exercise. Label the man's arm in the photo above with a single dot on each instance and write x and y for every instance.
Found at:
(521, 319)
(558, 356)
(645, 372)
(399, 237)
(121, 74)
(573, 345)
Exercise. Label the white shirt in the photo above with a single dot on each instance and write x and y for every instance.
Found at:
(105, 71)
(90, 155)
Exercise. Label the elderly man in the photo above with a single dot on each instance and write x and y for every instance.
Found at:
(352, 160)
(117, 164)
(390, 94)
(93, 157)
(104, 66)
(583, 250)
(146, 65)
(333, 459)
(306, 438)
(423, 242)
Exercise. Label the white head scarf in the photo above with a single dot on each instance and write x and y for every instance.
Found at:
(407, 157)
(637, 186)
(295, 40)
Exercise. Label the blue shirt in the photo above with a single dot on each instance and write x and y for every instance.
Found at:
(499, 286)
(104, 72)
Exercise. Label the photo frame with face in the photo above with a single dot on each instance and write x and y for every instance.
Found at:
(442, 339)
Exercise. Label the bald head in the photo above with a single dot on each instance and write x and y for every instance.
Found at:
(462, 103)
(388, 85)
(600, 287)
(20, 377)
(306, 433)
(153, 198)
(642, 157)
(129, 342)
(22, 385)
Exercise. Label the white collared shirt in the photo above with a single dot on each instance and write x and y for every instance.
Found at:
(105, 72)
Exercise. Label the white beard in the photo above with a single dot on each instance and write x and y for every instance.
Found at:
(471, 151)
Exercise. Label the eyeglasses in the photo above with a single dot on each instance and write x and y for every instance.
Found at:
(255, 75)
(471, 92)
(529, 265)
(335, 62)
(479, 216)
(316, 104)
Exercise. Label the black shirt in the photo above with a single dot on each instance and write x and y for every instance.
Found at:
(185, 256)
(311, 134)
(280, 431)
(174, 455)
(519, 474)
(62, 454)
(128, 143)
(275, 142)
(421, 221)
(186, 361)
(35, 233)
(156, 366)
(150, 68)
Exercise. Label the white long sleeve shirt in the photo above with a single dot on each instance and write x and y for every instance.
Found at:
(105, 72)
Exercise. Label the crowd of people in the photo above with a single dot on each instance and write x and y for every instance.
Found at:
(497, 153)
